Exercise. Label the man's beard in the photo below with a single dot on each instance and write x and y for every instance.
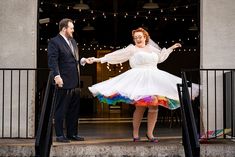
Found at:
(69, 36)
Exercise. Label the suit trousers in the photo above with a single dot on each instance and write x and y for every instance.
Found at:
(67, 108)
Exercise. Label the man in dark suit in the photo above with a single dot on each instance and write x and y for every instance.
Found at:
(63, 60)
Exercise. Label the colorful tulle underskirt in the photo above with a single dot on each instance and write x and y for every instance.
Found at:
(215, 133)
(146, 101)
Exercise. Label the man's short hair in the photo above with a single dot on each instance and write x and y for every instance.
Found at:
(64, 23)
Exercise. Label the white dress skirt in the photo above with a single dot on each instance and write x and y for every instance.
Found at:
(144, 84)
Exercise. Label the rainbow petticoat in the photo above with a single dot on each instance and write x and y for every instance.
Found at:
(146, 101)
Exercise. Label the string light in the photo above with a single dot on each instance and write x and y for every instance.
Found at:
(136, 14)
(98, 13)
(88, 49)
(118, 47)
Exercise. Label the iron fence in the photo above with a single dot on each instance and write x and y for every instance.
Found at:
(214, 108)
(21, 93)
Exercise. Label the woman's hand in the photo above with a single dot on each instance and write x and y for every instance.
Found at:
(89, 60)
(93, 59)
(176, 45)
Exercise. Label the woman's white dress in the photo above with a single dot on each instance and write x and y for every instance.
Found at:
(144, 84)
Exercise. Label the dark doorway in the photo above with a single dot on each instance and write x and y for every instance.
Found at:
(107, 26)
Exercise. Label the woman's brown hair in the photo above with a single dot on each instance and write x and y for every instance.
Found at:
(145, 33)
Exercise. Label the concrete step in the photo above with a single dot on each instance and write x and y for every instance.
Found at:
(167, 147)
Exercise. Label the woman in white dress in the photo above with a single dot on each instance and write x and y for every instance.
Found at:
(144, 85)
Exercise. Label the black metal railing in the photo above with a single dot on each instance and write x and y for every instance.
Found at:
(19, 91)
(216, 102)
(229, 102)
(44, 133)
(189, 128)
(214, 107)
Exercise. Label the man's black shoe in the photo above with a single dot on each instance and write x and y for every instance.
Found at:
(76, 138)
(62, 139)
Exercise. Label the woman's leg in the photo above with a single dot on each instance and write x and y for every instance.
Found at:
(137, 117)
(152, 119)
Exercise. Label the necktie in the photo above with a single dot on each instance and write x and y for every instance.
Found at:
(71, 47)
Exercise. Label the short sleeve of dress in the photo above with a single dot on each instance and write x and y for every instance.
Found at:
(118, 56)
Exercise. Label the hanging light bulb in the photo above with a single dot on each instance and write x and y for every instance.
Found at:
(193, 28)
(81, 6)
(151, 5)
(88, 28)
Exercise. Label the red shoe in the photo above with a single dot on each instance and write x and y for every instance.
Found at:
(136, 139)
(154, 139)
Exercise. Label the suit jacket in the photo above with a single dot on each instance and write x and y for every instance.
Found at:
(62, 62)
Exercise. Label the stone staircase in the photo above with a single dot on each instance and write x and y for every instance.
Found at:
(167, 147)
